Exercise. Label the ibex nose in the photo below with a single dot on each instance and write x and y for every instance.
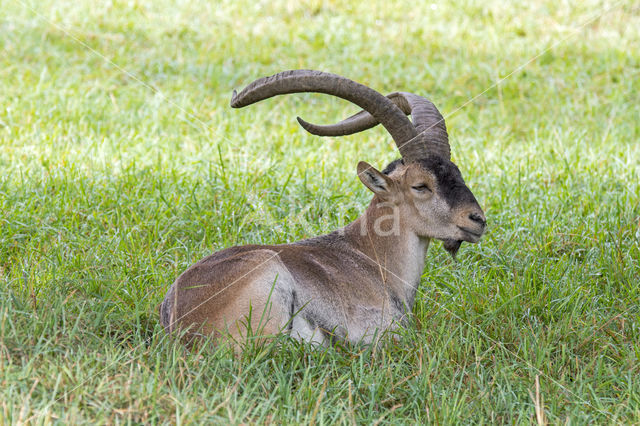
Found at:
(478, 218)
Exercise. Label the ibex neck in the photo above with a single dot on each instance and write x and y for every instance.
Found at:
(381, 236)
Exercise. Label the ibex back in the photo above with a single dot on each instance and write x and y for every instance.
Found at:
(358, 281)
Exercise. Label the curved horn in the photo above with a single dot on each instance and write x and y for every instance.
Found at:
(358, 122)
(426, 118)
(378, 106)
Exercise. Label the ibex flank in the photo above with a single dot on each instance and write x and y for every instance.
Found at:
(356, 282)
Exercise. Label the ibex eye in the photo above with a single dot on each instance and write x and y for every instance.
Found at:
(421, 188)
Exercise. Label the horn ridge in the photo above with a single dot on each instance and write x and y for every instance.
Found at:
(428, 121)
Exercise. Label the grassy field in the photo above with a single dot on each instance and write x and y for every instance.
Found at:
(122, 164)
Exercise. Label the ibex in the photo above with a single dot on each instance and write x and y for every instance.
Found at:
(356, 282)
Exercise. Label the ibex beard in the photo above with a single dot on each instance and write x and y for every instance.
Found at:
(354, 283)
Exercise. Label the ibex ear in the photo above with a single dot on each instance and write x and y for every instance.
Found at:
(373, 179)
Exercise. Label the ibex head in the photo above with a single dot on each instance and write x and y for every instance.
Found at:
(426, 187)
(431, 197)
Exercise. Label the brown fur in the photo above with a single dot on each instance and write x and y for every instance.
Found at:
(347, 285)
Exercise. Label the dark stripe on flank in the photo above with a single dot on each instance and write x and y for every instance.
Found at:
(292, 310)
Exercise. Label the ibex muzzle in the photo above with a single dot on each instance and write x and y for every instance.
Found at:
(361, 280)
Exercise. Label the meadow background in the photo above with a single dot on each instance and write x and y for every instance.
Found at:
(121, 164)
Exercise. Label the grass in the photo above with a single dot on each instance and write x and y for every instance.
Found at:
(122, 164)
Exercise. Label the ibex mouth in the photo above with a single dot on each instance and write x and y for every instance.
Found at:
(452, 246)
(474, 235)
